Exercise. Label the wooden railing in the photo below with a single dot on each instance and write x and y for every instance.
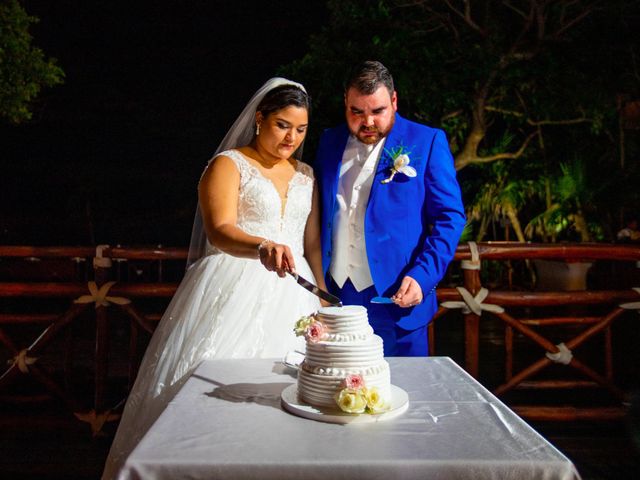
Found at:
(100, 284)
(98, 280)
(604, 308)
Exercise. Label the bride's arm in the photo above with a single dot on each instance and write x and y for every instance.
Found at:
(312, 249)
(218, 197)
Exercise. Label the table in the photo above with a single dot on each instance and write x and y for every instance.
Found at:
(227, 423)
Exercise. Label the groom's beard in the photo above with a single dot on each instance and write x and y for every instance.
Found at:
(372, 135)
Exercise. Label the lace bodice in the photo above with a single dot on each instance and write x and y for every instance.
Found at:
(260, 207)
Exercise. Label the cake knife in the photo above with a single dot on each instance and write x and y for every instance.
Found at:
(332, 299)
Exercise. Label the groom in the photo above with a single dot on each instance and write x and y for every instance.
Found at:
(392, 213)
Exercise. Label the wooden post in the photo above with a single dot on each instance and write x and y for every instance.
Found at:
(133, 355)
(508, 352)
(102, 271)
(472, 325)
(431, 338)
(608, 353)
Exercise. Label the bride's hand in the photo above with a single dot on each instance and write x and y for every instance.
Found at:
(277, 257)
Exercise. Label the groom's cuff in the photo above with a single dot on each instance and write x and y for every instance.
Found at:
(426, 283)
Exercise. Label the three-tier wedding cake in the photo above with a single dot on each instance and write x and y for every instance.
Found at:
(344, 365)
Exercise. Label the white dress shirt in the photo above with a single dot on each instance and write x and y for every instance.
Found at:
(349, 258)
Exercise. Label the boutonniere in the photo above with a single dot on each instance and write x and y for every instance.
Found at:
(399, 160)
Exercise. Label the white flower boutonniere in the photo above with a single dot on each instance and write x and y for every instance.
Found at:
(399, 164)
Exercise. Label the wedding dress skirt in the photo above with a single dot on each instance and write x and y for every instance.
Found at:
(225, 307)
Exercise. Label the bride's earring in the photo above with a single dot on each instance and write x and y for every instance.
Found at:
(257, 129)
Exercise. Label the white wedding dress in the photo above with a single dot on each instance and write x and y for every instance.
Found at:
(225, 307)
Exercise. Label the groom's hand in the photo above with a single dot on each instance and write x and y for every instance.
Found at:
(409, 294)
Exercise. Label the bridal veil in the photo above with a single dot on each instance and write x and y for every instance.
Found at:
(241, 133)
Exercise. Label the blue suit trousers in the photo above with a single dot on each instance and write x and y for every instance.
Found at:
(398, 342)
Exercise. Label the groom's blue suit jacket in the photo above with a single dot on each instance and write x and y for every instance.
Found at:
(412, 225)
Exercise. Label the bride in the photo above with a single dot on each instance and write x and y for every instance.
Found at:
(257, 214)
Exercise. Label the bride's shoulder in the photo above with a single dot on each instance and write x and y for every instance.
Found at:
(232, 154)
(305, 169)
(230, 158)
(223, 164)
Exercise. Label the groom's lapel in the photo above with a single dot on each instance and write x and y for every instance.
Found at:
(332, 169)
(396, 138)
(339, 144)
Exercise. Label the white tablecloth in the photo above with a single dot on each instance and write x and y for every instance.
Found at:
(227, 423)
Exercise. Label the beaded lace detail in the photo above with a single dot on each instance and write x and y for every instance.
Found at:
(260, 206)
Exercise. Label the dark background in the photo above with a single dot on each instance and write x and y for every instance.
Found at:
(114, 155)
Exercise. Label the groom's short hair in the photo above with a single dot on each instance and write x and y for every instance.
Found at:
(366, 77)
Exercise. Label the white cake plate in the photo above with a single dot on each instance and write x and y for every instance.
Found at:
(292, 403)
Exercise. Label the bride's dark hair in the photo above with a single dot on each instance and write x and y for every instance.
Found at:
(284, 96)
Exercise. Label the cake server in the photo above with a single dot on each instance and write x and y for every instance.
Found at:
(381, 300)
(332, 299)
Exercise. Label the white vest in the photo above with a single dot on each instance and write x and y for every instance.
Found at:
(349, 252)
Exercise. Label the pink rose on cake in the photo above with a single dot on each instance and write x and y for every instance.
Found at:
(312, 329)
(353, 382)
(314, 332)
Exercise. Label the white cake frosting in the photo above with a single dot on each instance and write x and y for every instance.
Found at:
(348, 347)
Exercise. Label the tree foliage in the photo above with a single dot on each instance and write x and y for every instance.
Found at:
(528, 84)
(24, 69)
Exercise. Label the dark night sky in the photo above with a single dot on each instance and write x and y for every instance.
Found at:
(114, 154)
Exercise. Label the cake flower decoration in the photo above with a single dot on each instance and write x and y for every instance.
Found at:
(399, 163)
(302, 324)
(314, 332)
(353, 382)
(375, 402)
(351, 401)
(312, 329)
(355, 397)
